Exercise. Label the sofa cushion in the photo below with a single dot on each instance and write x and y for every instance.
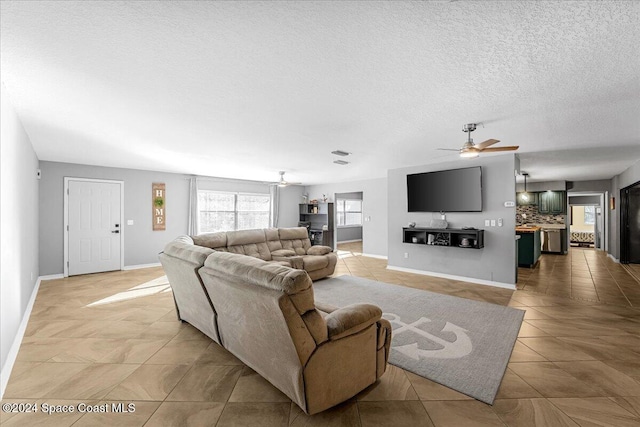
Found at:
(293, 233)
(318, 250)
(283, 252)
(183, 248)
(211, 240)
(256, 250)
(257, 272)
(243, 237)
(315, 262)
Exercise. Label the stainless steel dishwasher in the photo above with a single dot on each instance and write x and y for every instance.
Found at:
(552, 240)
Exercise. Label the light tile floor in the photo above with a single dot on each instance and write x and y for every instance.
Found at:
(114, 338)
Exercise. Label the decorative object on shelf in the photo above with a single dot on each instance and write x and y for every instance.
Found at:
(305, 197)
(438, 223)
(324, 198)
(412, 225)
(451, 237)
(158, 206)
(313, 201)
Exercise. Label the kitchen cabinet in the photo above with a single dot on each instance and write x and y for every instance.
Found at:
(552, 202)
(528, 246)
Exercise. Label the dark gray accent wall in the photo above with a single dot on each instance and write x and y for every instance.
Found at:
(18, 227)
(141, 243)
(496, 262)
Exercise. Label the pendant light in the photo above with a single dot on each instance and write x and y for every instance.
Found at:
(524, 196)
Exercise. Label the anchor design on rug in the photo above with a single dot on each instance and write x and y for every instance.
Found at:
(455, 349)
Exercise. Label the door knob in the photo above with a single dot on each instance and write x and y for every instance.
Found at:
(115, 231)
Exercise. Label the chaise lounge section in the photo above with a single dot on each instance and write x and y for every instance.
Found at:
(267, 318)
(266, 315)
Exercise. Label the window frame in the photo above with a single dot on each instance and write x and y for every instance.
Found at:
(592, 214)
(344, 212)
(235, 211)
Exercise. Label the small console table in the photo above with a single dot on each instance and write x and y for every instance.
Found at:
(453, 237)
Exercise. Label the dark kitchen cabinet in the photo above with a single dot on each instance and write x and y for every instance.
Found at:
(552, 202)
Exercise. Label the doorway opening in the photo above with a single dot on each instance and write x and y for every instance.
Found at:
(588, 220)
(630, 224)
(349, 219)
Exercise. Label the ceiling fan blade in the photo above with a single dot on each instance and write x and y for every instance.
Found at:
(448, 149)
(486, 143)
(496, 149)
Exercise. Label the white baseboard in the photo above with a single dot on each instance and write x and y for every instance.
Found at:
(616, 260)
(51, 277)
(375, 256)
(139, 266)
(349, 241)
(17, 341)
(453, 277)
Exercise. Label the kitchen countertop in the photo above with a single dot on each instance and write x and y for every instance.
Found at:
(527, 229)
(546, 226)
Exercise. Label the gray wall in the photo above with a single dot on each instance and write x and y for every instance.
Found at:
(496, 262)
(374, 205)
(18, 226)
(141, 243)
(290, 199)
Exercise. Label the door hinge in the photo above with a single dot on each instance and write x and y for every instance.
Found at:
(67, 191)
(67, 264)
(67, 227)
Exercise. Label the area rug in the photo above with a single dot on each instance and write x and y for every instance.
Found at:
(459, 343)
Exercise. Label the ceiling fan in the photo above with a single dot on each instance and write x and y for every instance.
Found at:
(283, 183)
(470, 149)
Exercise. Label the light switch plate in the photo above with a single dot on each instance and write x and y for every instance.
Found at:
(487, 223)
(129, 222)
(499, 222)
(493, 222)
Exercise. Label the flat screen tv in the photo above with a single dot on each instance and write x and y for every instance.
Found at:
(456, 190)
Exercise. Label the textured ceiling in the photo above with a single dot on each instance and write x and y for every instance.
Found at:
(245, 89)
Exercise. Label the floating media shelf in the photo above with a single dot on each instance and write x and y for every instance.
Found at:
(452, 237)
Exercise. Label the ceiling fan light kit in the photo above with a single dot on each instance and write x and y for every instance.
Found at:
(470, 150)
(283, 183)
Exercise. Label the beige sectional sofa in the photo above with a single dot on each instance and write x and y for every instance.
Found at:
(266, 315)
(290, 246)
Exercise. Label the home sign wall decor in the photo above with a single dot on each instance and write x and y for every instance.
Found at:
(158, 206)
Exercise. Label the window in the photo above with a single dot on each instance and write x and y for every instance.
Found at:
(589, 214)
(218, 211)
(349, 212)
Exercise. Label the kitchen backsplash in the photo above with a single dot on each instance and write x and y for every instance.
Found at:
(535, 217)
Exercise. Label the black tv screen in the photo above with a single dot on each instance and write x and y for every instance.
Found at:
(456, 190)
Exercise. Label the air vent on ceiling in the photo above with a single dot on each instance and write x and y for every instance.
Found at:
(340, 162)
(340, 153)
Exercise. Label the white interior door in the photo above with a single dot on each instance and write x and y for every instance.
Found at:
(94, 226)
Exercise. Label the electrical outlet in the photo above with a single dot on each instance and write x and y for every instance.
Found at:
(499, 222)
(493, 222)
(406, 255)
(487, 223)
